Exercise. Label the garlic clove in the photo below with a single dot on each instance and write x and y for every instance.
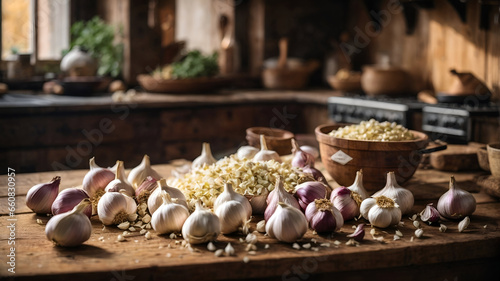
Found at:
(41, 196)
(68, 199)
(462, 225)
(206, 157)
(70, 229)
(246, 152)
(300, 157)
(359, 233)
(265, 154)
(120, 182)
(155, 200)
(358, 187)
(229, 250)
(323, 216)
(261, 226)
(201, 226)
(309, 191)
(96, 179)
(402, 196)
(456, 203)
(280, 195)
(170, 216)
(115, 208)
(287, 224)
(138, 174)
(347, 202)
(429, 214)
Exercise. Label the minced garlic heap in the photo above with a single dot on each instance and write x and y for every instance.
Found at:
(373, 130)
(246, 176)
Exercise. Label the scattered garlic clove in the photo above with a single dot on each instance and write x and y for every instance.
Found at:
(359, 233)
(96, 179)
(323, 216)
(443, 228)
(68, 199)
(70, 229)
(261, 226)
(138, 174)
(211, 247)
(358, 187)
(456, 203)
(265, 154)
(419, 233)
(155, 199)
(462, 225)
(206, 157)
(402, 196)
(41, 196)
(120, 182)
(287, 224)
(201, 226)
(429, 214)
(229, 250)
(169, 217)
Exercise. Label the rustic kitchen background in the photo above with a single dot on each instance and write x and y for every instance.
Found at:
(425, 38)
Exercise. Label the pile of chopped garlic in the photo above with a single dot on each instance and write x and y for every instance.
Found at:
(247, 177)
(374, 131)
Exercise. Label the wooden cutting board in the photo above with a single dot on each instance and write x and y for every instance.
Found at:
(456, 158)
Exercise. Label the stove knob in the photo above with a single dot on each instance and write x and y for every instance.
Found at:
(432, 120)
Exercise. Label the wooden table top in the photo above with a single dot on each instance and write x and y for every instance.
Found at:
(162, 258)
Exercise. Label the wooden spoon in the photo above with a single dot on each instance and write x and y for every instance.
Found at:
(283, 47)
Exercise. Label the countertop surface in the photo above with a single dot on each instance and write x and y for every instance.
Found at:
(435, 256)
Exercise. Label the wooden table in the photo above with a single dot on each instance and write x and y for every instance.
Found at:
(471, 255)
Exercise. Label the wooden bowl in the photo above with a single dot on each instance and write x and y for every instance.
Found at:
(377, 80)
(494, 158)
(376, 158)
(285, 79)
(276, 139)
(191, 85)
(346, 85)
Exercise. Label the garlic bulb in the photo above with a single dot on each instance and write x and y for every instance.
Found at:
(323, 216)
(68, 199)
(170, 217)
(315, 173)
(358, 187)
(287, 224)
(41, 196)
(346, 201)
(380, 211)
(138, 174)
(279, 195)
(402, 196)
(120, 182)
(429, 214)
(232, 215)
(155, 200)
(300, 157)
(229, 194)
(311, 150)
(201, 226)
(71, 228)
(265, 154)
(143, 192)
(309, 191)
(96, 179)
(205, 158)
(115, 207)
(246, 152)
(456, 203)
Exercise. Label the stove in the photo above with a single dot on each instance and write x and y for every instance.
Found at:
(453, 123)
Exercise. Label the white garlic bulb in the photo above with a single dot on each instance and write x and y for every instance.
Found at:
(96, 179)
(155, 199)
(358, 187)
(170, 216)
(265, 154)
(402, 196)
(115, 207)
(201, 226)
(380, 211)
(232, 215)
(71, 228)
(229, 194)
(206, 157)
(120, 183)
(456, 203)
(138, 174)
(287, 224)
(246, 152)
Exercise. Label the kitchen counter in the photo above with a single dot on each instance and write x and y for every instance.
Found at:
(471, 255)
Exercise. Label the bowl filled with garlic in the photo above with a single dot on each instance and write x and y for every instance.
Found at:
(376, 148)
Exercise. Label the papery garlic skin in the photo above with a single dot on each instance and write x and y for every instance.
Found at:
(68, 199)
(138, 174)
(229, 194)
(358, 187)
(232, 215)
(41, 196)
(429, 214)
(155, 200)
(280, 195)
(96, 179)
(346, 201)
(120, 183)
(456, 203)
(206, 157)
(201, 226)
(287, 224)
(309, 191)
(301, 158)
(402, 196)
(265, 154)
(323, 216)
(246, 152)
(380, 211)
(70, 229)
(115, 207)
(170, 216)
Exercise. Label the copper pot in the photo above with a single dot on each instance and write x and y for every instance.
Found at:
(380, 80)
